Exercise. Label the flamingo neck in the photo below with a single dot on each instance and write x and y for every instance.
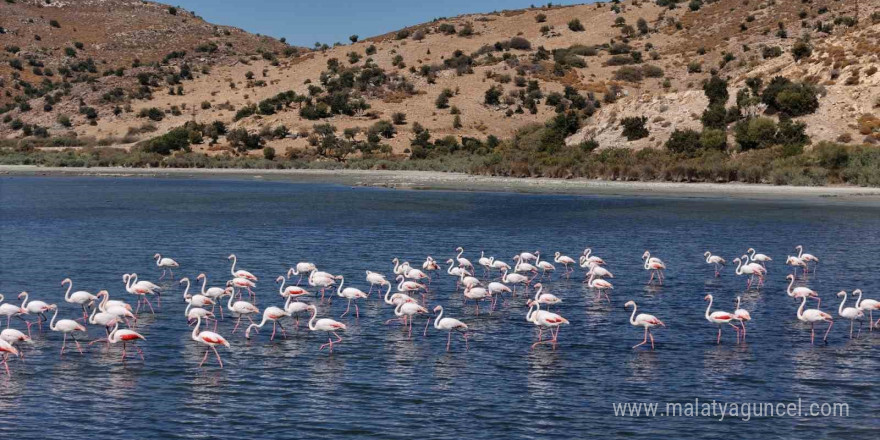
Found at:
(437, 319)
(339, 289)
(738, 299)
(229, 303)
(800, 311)
(232, 269)
(449, 271)
(186, 296)
(195, 333)
(158, 259)
(204, 282)
(632, 318)
(113, 336)
(52, 323)
(388, 292)
(281, 288)
(739, 267)
(396, 265)
(859, 299)
(103, 304)
(840, 309)
(397, 311)
(69, 288)
(538, 293)
(459, 253)
(800, 250)
(24, 303)
(709, 307)
(752, 255)
(312, 319)
(186, 311)
(94, 311)
(788, 290)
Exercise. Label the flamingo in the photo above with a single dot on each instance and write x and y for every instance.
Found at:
(587, 257)
(35, 307)
(496, 289)
(599, 271)
(746, 269)
(322, 281)
(477, 294)
(302, 267)
(741, 315)
(430, 264)
(376, 279)
(10, 310)
(194, 313)
(126, 337)
(294, 291)
(813, 316)
(242, 309)
(326, 325)
(398, 268)
(807, 258)
(643, 320)
(795, 262)
(601, 285)
(12, 337)
(241, 273)
(80, 297)
(760, 258)
(450, 324)
(485, 262)
(463, 262)
(759, 270)
(718, 318)
(407, 311)
(716, 261)
(655, 265)
(105, 318)
(211, 339)
(66, 326)
(800, 291)
(527, 256)
(500, 265)
(415, 274)
(197, 300)
(294, 308)
(545, 298)
(273, 314)
(544, 266)
(467, 281)
(514, 279)
(522, 266)
(243, 283)
(212, 292)
(867, 304)
(166, 264)
(545, 319)
(851, 313)
(566, 261)
(351, 294)
(6, 349)
(456, 271)
(141, 289)
(408, 286)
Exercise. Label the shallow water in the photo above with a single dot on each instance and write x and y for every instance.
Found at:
(380, 384)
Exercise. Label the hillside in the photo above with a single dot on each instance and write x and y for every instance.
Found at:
(635, 58)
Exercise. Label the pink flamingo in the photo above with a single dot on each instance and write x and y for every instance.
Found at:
(7, 349)
(326, 325)
(408, 311)
(450, 324)
(241, 273)
(273, 314)
(351, 294)
(166, 264)
(851, 313)
(544, 319)
(813, 316)
(545, 298)
(242, 309)
(66, 326)
(10, 310)
(719, 318)
(741, 315)
(655, 265)
(867, 304)
(643, 320)
(36, 307)
(800, 291)
(716, 261)
(565, 261)
(601, 285)
(81, 297)
(746, 269)
(126, 337)
(303, 267)
(807, 258)
(211, 339)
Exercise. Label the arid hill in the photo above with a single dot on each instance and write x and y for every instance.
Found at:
(121, 71)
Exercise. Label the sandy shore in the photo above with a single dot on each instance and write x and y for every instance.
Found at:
(430, 180)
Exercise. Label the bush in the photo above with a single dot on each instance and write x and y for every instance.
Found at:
(520, 43)
(716, 90)
(771, 52)
(493, 95)
(398, 118)
(268, 153)
(634, 127)
(384, 128)
(575, 25)
(792, 99)
(713, 139)
(153, 113)
(651, 71)
(801, 50)
(755, 133)
(54, 23)
(686, 142)
(242, 141)
(176, 139)
(628, 73)
(540, 18)
(64, 120)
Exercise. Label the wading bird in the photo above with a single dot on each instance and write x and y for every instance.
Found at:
(66, 326)
(812, 316)
(655, 265)
(211, 339)
(326, 325)
(448, 325)
(719, 318)
(868, 305)
(643, 320)
(851, 313)
(715, 261)
(167, 264)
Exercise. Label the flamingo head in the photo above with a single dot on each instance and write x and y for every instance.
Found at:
(339, 277)
(228, 283)
(538, 285)
(290, 271)
(646, 255)
(737, 260)
(745, 257)
(530, 302)
(750, 250)
(841, 293)
(449, 260)
(125, 278)
(857, 292)
(399, 278)
(438, 309)
(629, 303)
(183, 280)
(707, 253)
(429, 258)
(157, 256)
(279, 279)
(459, 249)
(231, 256)
(789, 277)
(102, 293)
(66, 280)
(799, 247)
(22, 294)
(707, 298)
(201, 275)
(228, 290)
(52, 307)
(395, 260)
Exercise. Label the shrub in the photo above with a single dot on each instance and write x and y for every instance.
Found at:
(54, 23)
(242, 141)
(634, 127)
(398, 118)
(793, 99)
(384, 128)
(268, 153)
(402, 34)
(642, 25)
(801, 50)
(755, 133)
(628, 73)
(493, 95)
(686, 142)
(353, 38)
(176, 139)
(712, 139)
(771, 52)
(64, 120)
(716, 90)
(694, 67)
(540, 18)
(520, 43)
(575, 25)
(651, 71)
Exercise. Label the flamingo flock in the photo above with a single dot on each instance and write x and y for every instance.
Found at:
(409, 302)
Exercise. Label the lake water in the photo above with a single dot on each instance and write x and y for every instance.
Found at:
(378, 383)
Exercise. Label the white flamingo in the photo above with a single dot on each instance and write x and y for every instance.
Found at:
(211, 339)
(655, 265)
(719, 318)
(756, 257)
(301, 268)
(81, 297)
(34, 307)
(715, 261)
(326, 325)
(448, 325)
(868, 305)
(800, 291)
(545, 298)
(66, 326)
(242, 309)
(167, 264)
(376, 279)
(241, 273)
(514, 279)
(463, 262)
(566, 261)
(477, 294)
(351, 294)
(9, 310)
(643, 320)
(812, 316)
(273, 314)
(851, 313)
(741, 315)
(544, 319)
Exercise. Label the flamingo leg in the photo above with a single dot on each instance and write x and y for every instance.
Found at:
(204, 358)
(448, 340)
(825, 338)
(236, 324)
(719, 335)
(652, 339)
(271, 338)
(427, 321)
(163, 275)
(347, 308)
(218, 356)
(283, 333)
(645, 341)
(147, 300)
(812, 333)
(63, 344)
(465, 336)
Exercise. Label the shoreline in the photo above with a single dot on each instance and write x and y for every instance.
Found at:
(435, 180)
